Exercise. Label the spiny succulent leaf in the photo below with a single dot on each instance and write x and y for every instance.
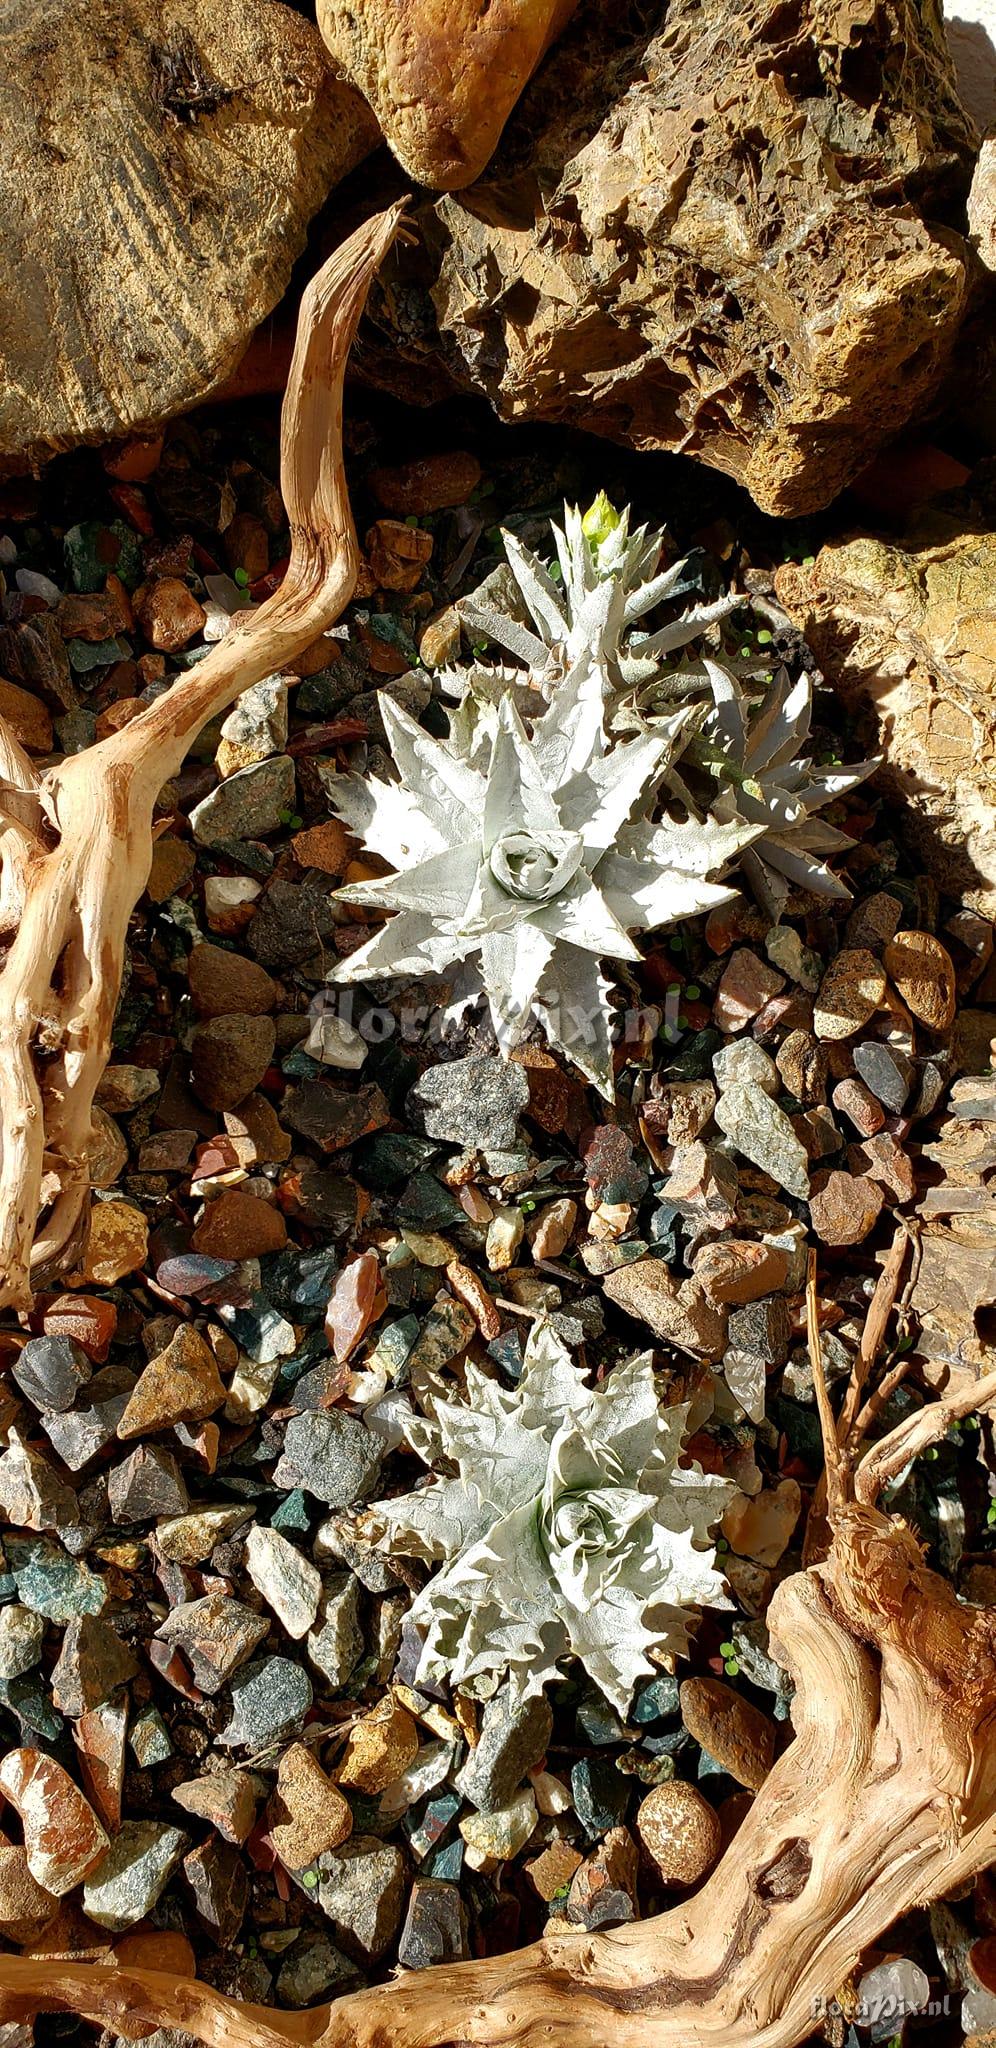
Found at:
(412, 944)
(780, 728)
(538, 589)
(599, 801)
(590, 1540)
(505, 632)
(658, 590)
(689, 627)
(754, 755)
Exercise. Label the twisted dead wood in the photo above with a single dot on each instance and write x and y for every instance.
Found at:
(76, 843)
(885, 1800)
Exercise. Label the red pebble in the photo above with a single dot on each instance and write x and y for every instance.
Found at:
(356, 1301)
(132, 505)
(90, 1321)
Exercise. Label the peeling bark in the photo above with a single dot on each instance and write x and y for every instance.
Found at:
(885, 1800)
(76, 843)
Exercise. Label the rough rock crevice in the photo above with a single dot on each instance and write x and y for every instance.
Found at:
(906, 630)
(731, 233)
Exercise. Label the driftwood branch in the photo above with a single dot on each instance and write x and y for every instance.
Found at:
(76, 844)
(885, 1800)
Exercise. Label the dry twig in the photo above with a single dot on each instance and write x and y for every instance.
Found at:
(850, 1426)
(76, 844)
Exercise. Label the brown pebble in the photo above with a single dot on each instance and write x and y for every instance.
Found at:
(738, 1270)
(817, 1133)
(731, 921)
(553, 1870)
(397, 554)
(154, 1948)
(474, 1295)
(680, 1113)
(99, 1736)
(746, 985)
(758, 1526)
(850, 993)
(230, 903)
(63, 1839)
(440, 641)
(676, 1310)
(229, 1056)
(25, 717)
(237, 1225)
(133, 462)
(431, 484)
(856, 1101)
(738, 1736)
(107, 1150)
(117, 1244)
(90, 1321)
(556, 1100)
(381, 1745)
(874, 920)
(752, 1583)
(95, 615)
(604, 1890)
(309, 1812)
(169, 614)
(680, 1832)
(118, 715)
(247, 545)
(802, 1063)
(551, 1229)
(257, 1135)
(25, 1908)
(885, 1161)
(328, 847)
(222, 983)
(228, 1799)
(844, 1207)
(173, 863)
(182, 1384)
(923, 972)
(358, 1298)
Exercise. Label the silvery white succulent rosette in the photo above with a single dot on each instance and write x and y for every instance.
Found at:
(568, 1528)
(753, 742)
(591, 601)
(535, 859)
(533, 843)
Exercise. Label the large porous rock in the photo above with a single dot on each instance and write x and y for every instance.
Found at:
(161, 161)
(442, 76)
(906, 630)
(713, 229)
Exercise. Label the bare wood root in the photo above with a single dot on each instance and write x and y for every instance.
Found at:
(885, 1800)
(76, 844)
(853, 1420)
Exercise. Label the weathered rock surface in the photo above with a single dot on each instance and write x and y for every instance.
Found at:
(442, 76)
(907, 632)
(715, 237)
(982, 203)
(161, 164)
